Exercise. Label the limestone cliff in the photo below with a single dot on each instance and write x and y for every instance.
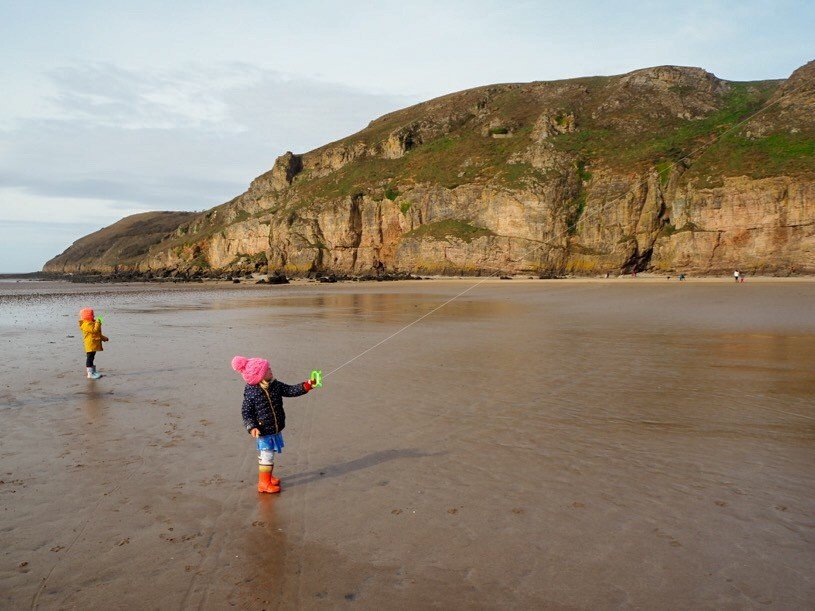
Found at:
(656, 169)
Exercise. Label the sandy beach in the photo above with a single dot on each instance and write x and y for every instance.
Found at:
(532, 444)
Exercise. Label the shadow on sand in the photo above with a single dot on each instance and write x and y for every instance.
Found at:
(371, 460)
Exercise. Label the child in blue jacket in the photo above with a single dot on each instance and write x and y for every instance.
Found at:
(263, 414)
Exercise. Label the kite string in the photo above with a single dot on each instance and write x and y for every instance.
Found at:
(422, 317)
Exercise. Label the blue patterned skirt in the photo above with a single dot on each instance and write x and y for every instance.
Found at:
(271, 442)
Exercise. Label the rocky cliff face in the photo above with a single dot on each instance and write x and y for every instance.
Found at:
(657, 169)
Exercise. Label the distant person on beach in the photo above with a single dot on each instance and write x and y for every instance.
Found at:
(263, 414)
(736, 275)
(91, 328)
(681, 277)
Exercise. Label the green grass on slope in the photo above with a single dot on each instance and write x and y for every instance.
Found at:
(773, 155)
(672, 139)
(710, 146)
(459, 158)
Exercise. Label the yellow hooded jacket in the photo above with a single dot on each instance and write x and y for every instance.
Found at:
(92, 334)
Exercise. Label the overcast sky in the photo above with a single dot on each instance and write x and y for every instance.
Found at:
(111, 108)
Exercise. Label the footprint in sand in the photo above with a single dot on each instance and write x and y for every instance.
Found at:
(673, 542)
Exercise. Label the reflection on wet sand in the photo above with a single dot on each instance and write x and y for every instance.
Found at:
(374, 307)
(93, 402)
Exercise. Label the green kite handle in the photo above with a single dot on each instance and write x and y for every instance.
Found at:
(317, 376)
(99, 318)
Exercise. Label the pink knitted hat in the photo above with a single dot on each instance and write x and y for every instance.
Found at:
(252, 370)
(86, 314)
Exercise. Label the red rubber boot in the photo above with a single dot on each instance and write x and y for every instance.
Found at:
(272, 479)
(265, 481)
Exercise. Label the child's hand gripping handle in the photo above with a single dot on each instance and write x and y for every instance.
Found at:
(316, 378)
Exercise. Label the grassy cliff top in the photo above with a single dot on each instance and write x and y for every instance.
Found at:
(649, 118)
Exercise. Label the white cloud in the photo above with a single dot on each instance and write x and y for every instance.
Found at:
(26, 246)
(35, 228)
(183, 139)
(17, 205)
(110, 96)
(115, 141)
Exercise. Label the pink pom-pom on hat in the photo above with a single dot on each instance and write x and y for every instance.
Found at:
(252, 370)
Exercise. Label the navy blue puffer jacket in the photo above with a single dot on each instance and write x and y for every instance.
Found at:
(263, 408)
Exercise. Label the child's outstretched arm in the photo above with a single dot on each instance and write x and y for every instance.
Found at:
(297, 390)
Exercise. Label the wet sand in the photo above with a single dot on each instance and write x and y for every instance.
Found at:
(547, 444)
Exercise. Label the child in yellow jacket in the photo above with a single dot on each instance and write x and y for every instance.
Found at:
(91, 328)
